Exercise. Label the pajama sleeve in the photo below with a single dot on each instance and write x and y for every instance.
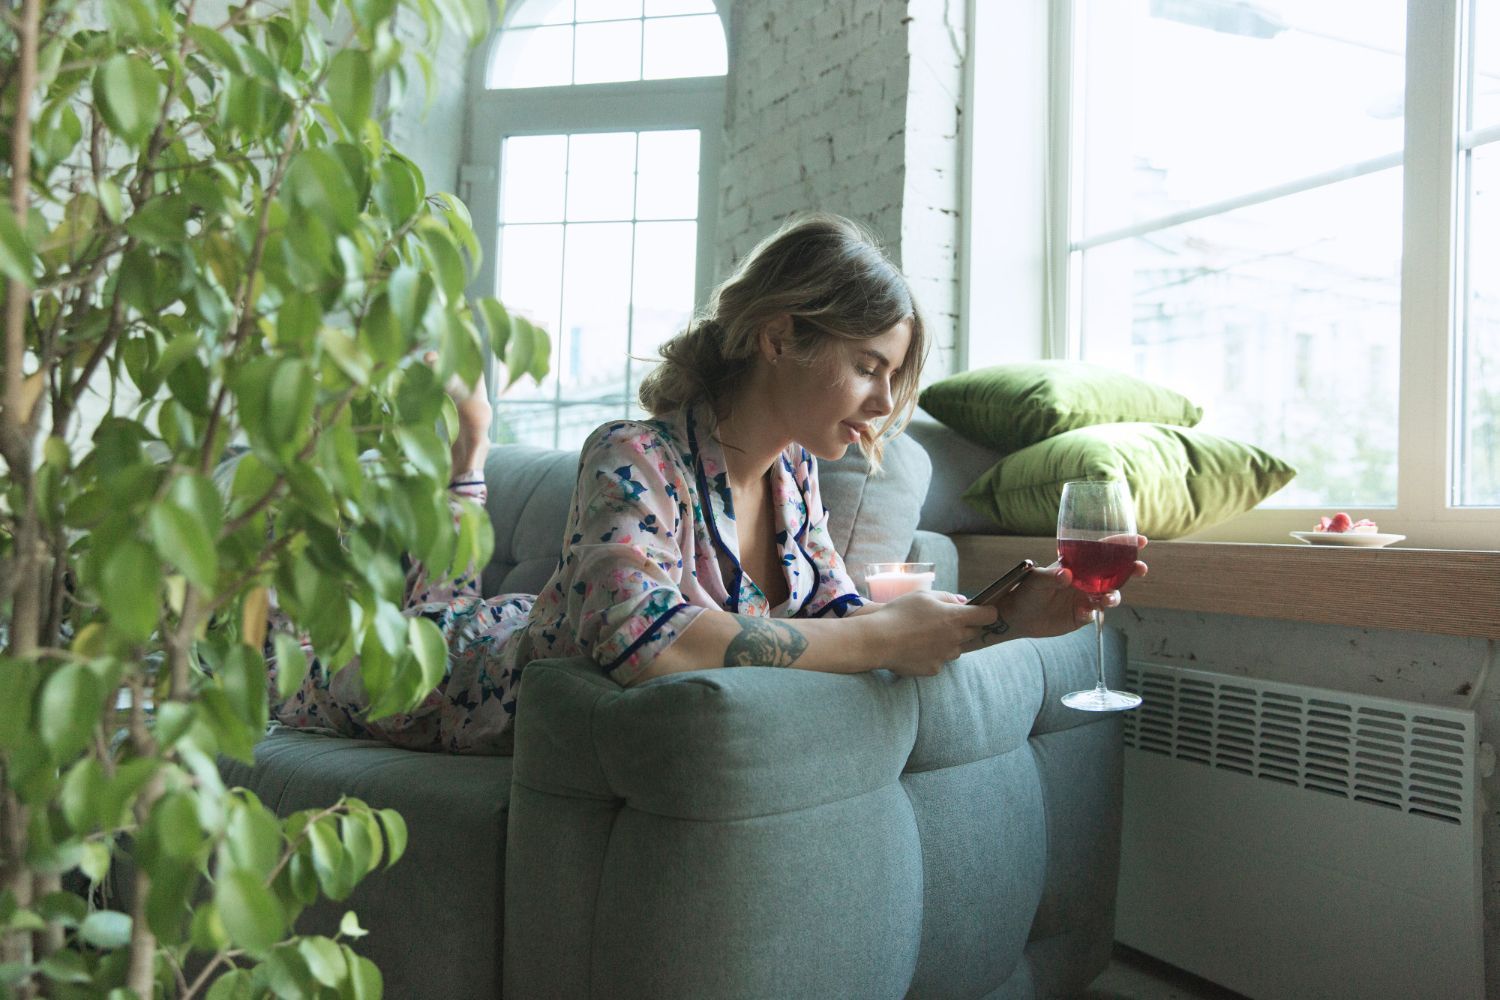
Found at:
(622, 561)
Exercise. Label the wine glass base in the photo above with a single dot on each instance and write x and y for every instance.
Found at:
(1097, 700)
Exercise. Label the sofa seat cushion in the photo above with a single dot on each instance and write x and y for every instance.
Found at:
(451, 880)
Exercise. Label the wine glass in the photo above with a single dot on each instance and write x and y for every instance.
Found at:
(1096, 541)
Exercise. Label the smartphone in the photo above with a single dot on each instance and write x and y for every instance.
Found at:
(1005, 584)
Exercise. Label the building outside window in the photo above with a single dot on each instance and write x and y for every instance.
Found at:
(592, 176)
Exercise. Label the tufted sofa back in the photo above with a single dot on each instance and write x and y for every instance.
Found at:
(872, 518)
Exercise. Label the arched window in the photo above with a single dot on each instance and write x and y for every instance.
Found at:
(591, 171)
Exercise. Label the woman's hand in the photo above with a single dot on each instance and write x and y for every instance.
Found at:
(1047, 604)
(921, 631)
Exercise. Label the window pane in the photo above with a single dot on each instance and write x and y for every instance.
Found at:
(596, 311)
(667, 175)
(524, 423)
(533, 12)
(666, 258)
(1486, 67)
(530, 266)
(1188, 102)
(576, 423)
(531, 57)
(608, 10)
(608, 52)
(1478, 439)
(534, 176)
(601, 176)
(685, 46)
(1281, 320)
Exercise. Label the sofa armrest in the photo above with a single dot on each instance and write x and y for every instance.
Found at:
(709, 834)
(929, 546)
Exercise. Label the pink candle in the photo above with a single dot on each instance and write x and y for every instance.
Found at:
(888, 581)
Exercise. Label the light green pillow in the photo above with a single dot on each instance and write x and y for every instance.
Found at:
(1182, 479)
(1008, 407)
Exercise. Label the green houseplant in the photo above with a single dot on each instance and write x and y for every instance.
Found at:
(207, 243)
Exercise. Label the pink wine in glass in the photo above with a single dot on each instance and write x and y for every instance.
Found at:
(1099, 566)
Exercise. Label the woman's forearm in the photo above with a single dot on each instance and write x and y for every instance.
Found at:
(721, 639)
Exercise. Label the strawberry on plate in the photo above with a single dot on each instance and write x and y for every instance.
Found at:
(1342, 522)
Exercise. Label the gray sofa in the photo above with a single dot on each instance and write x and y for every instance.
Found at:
(750, 832)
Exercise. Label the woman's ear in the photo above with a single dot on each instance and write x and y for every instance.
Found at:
(776, 337)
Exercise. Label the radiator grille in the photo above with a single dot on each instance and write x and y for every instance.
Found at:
(1399, 755)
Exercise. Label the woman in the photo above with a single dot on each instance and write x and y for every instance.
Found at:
(699, 539)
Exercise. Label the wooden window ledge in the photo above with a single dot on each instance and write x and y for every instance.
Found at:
(1444, 591)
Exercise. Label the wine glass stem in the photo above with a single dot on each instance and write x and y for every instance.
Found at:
(1098, 617)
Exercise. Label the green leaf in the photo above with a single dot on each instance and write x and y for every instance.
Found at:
(106, 929)
(289, 405)
(324, 960)
(72, 701)
(443, 254)
(496, 323)
(252, 917)
(252, 839)
(216, 47)
(94, 861)
(351, 88)
(364, 978)
(431, 650)
(291, 665)
(15, 249)
(180, 538)
(174, 825)
(359, 846)
(130, 589)
(188, 381)
(297, 321)
(349, 925)
(161, 221)
(395, 834)
(398, 191)
(318, 183)
(425, 451)
(129, 97)
(82, 791)
(110, 198)
(335, 872)
(236, 985)
(19, 680)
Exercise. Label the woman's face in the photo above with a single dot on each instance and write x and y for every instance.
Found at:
(828, 404)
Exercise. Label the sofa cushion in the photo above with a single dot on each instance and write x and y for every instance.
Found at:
(872, 517)
(1007, 407)
(1182, 479)
(530, 492)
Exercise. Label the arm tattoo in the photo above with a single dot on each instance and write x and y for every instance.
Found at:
(764, 643)
(999, 627)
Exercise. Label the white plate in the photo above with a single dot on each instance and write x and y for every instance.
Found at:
(1368, 539)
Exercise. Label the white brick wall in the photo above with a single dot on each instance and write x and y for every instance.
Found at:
(431, 135)
(851, 106)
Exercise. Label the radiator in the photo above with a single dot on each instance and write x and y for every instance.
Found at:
(1288, 841)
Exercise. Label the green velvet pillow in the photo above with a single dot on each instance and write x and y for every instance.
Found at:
(1182, 479)
(1008, 407)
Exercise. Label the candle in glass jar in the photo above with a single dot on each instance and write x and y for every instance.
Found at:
(888, 581)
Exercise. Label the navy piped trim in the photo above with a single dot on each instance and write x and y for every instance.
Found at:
(467, 482)
(706, 502)
(651, 633)
(840, 605)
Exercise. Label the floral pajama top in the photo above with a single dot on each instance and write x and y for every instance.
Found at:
(650, 545)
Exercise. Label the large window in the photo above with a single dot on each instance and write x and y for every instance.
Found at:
(1283, 210)
(592, 177)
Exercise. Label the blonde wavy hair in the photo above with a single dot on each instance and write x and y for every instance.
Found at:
(834, 281)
